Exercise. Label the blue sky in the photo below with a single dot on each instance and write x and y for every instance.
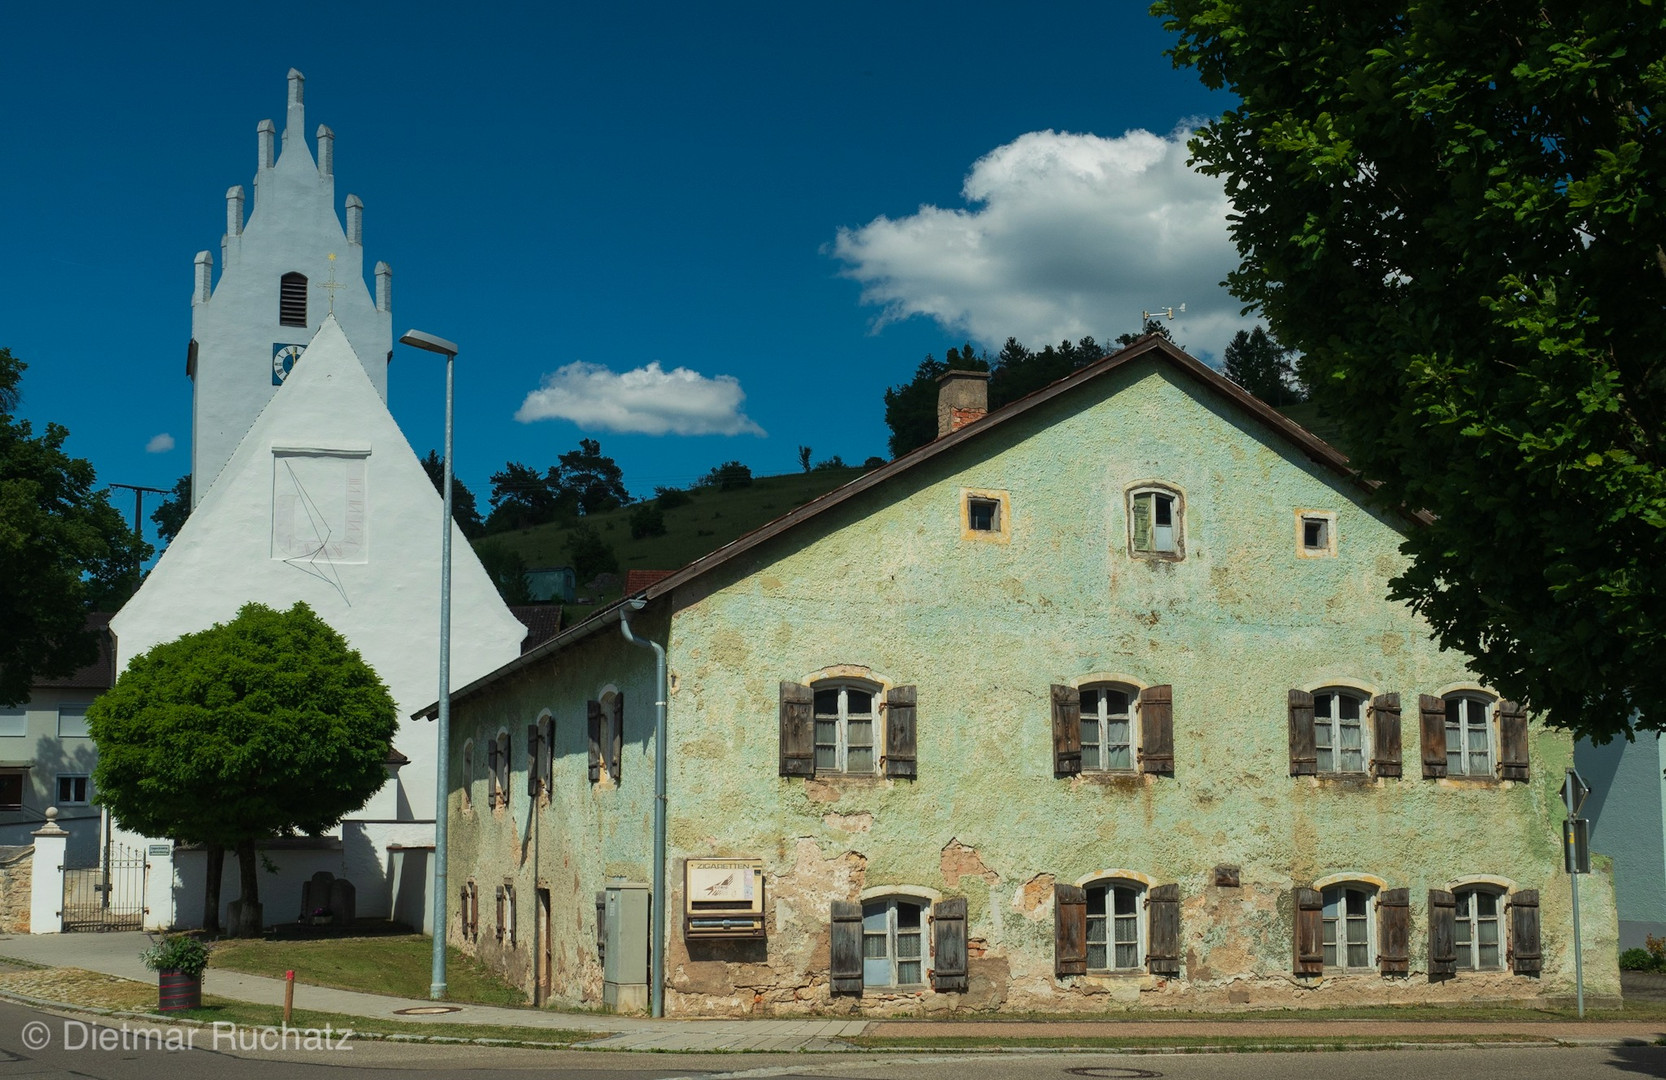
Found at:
(794, 203)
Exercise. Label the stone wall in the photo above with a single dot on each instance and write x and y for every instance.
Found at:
(16, 880)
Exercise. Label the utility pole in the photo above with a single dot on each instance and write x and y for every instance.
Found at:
(1576, 859)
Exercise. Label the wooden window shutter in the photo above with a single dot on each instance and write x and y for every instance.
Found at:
(1304, 759)
(534, 780)
(949, 942)
(1443, 925)
(900, 733)
(1162, 949)
(616, 740)
(846, 948)
(1067, 730)
(1432, 721)
(1070, 930)
(496, 785)
(1385, 735)
(1512, 741)
(798, 730)
(601, 926)
(1310, 930)
(1394, 931)
(1157, 730)
(1524, 932)
(593, 716)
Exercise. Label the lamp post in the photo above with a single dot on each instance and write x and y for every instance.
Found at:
(442, 778)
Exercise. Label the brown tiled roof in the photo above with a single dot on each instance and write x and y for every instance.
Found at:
(637, 580)
(1150, 347)
(542, 621)
(98, 675)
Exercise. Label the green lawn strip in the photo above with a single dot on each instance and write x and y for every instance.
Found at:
(1138, 1042)
(247, 1014)
(396, 964)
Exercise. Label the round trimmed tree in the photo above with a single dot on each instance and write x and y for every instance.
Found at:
(267, 725)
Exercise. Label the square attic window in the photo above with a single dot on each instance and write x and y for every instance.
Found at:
(1315, 534)
(983, 515)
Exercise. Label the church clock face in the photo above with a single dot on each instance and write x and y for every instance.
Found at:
(283, 360)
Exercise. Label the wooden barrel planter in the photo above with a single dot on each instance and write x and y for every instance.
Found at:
(177, 991)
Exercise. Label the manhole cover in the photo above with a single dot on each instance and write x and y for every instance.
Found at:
(1113, 1072)
(435, 1010)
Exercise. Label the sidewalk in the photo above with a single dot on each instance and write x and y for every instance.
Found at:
(118, 954)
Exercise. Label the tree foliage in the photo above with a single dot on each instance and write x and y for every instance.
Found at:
(464, 510)
(727, 477)
(1452, 210)
(507, 569)
(1257, 362)
(911, 409)
(589, 554)
(585, 481)
(171, 516)
(269, 724)
(64, 550)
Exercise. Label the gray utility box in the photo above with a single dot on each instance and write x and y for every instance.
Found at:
(625, 947)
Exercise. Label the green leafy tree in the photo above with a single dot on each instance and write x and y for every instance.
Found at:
(170, 517)
(64, 550)
(523, 497)
(669, 498)
(592, 478)
(464, 511)
(263, 726)
(590, 555)
(1152, 326)
(1257, 362)
(507, 569)
(804, 458)
(728, 477)
(1452, 210)
(647, 520)
(911, 409)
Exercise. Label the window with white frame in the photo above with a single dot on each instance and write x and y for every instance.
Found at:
(1469, 740)
(1349, 932)
(845, 715)
(73, 790)
(1478, 932)
(1115, 911)
(14, 721)
(1155, 523)
(72, 721)
(894, 945)
(1107, 727)
(1338, 731)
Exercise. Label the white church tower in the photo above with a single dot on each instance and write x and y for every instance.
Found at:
(283, 267)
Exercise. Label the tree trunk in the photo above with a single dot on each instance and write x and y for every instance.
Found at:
(244, 915)
(211, 888)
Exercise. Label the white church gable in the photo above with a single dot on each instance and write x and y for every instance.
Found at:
(324, 501)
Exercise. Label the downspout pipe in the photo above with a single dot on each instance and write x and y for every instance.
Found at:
(656, 951)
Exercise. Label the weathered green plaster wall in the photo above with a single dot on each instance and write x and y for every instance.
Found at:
(570, 840)
(887, 582)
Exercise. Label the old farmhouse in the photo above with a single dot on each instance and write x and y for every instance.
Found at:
(1095, 702)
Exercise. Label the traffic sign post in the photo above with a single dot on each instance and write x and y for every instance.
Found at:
(1576, 859)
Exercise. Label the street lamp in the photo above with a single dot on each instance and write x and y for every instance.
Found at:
(442, 779)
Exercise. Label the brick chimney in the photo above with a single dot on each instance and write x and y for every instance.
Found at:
(962, 397)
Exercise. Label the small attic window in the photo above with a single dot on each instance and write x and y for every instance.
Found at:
(985, 515)
(292, 300)
(1315, 534)
(1155, 523)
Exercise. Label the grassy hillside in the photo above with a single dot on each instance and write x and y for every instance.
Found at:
(710, 519)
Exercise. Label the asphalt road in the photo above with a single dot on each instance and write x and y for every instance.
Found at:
(43, 1045)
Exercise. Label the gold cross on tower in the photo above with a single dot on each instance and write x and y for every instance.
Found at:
(331, 285)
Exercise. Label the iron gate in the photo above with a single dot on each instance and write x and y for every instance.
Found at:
(110, 897)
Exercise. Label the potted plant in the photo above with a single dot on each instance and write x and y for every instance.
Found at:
(178, 960)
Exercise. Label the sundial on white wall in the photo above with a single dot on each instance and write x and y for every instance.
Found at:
(320, 510)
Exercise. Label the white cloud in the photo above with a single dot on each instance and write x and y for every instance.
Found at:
(647, 400)
(160, 444)
(1065, 235)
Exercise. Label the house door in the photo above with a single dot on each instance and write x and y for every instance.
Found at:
(545, 948)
